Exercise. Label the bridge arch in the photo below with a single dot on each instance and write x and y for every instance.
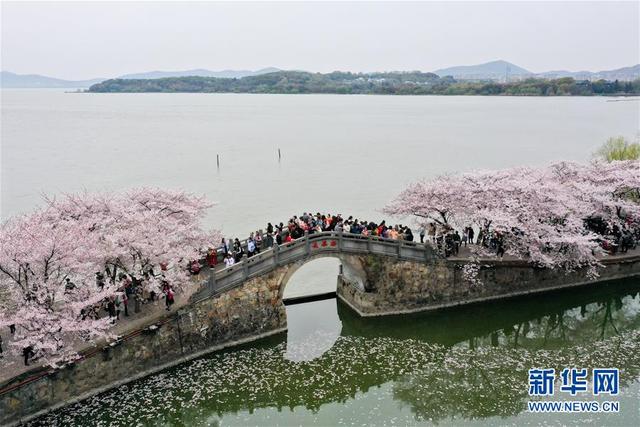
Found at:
(349, 267)
(308, 292)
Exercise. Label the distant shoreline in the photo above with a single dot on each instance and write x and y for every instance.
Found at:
(392, 83)
(631, 96)
(623, 96)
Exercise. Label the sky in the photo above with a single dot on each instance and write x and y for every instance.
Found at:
(75, 40)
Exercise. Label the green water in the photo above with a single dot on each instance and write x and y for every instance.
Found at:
(467, 366)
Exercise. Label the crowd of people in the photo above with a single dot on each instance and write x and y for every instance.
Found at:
(442, 237)
(232, 250)
(130, 289)
(621, 239)
(445, 239)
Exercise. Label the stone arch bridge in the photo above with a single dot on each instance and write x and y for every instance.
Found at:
(284, 260)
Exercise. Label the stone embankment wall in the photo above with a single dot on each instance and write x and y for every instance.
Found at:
(248, 312)
(396, 287)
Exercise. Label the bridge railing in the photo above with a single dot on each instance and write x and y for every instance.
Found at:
(222, 280)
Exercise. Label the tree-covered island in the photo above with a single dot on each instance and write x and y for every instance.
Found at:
(388, 83)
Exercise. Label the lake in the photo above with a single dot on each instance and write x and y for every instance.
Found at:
(339, 154)
(346, 154)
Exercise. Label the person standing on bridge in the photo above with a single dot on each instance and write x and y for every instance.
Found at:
(238, 250)
(258, 240)
(408, 234)
(251, 246)
(228, 260)
(225, 246)
(212, 257)
(268, 240)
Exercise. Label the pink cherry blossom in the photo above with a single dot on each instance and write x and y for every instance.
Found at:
(540, 212)
(49, 260)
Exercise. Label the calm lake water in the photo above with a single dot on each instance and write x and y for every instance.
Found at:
(340, 154)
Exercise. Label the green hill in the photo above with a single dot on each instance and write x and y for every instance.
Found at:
(391, 83)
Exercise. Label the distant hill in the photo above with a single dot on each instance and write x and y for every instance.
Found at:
(494, 70)
(32, 81)
(503, 70)
(225, 74)
(12, 80)
(624, 73)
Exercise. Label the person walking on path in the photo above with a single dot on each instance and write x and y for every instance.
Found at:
(27, 353)
(168, 295)
(111, 307)
(432, 232)
(137, 299)
(118, 303)
(125, 303)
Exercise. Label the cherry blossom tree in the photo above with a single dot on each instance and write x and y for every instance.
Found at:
(49, 260)
(541, 214)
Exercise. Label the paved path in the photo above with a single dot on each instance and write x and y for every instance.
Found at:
(149, 312)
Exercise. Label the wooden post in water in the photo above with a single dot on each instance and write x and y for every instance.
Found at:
(218, 160)
(279, 156)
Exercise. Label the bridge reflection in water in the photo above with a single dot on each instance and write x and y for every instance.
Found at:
(463, 364)
(314, 327)
(559, 319)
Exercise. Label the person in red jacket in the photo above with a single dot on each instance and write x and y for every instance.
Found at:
(212, 257)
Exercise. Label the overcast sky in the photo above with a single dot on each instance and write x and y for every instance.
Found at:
(87, 40)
